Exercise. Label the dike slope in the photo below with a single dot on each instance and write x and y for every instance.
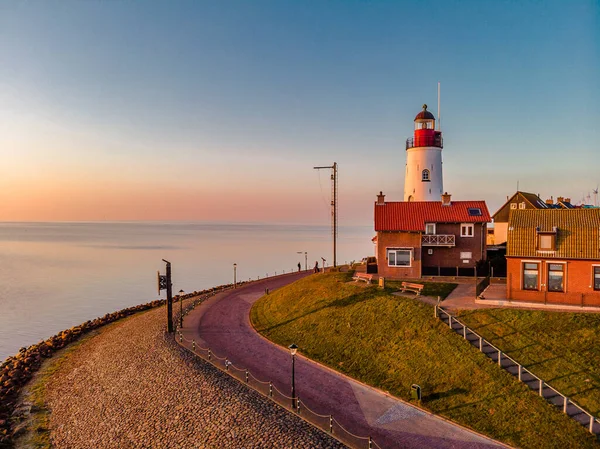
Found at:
(132, 386)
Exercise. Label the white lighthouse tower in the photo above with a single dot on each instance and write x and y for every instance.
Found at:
(423, 177)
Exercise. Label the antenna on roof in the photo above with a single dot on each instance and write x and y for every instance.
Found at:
(595, 196)
(439, 119)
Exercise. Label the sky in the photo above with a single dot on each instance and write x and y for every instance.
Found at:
(219, 110)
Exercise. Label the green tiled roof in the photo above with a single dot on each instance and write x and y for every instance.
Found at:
(578, 232)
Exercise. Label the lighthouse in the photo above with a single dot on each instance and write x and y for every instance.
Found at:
(423, 177)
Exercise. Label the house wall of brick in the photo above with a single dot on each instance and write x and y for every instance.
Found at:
(387, 240)
(450, 257)
(578, 283)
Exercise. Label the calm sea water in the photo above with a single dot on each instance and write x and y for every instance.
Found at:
(57, 275)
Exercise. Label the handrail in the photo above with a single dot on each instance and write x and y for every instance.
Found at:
(542, 383)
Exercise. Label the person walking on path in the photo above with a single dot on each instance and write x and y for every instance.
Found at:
(316, 266)
(299, 267)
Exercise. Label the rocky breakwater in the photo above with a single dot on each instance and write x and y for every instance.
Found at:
(17, 370)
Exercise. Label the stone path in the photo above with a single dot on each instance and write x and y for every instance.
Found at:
(131, 387)
(222, 324)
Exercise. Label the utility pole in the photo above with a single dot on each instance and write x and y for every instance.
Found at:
(334, 207)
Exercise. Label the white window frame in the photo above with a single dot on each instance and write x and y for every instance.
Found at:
(593, 286)
(425, 175)
(539, 275)
(522, 205)
(513, 205)
(395, 250)
(429, 224)
(467, 226)
(564, 274)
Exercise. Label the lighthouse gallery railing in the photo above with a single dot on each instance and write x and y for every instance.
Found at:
(425, 141)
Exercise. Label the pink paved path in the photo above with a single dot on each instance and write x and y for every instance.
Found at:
(222, 324)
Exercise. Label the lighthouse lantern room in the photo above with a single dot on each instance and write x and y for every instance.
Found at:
(423, 177)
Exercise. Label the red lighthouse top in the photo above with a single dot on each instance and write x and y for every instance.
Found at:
(425, 134)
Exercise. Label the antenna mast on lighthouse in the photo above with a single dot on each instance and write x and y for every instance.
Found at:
(439, 123)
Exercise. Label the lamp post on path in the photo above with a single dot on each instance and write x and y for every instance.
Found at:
(181, 292)
(234, 275)
(305, 259)
(293, 348)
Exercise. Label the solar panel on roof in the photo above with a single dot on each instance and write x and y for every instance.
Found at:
(474, 212)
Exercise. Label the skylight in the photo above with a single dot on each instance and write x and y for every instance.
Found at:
(474, 212)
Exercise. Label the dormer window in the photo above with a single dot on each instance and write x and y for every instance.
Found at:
(546, 241)
(425, 176)
(430, 228)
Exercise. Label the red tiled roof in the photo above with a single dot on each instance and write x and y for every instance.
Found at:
(412, 216)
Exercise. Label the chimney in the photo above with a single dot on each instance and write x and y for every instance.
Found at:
(446, 199)
(567, 200)
(559, 199)
(550, 201)
(380, 199)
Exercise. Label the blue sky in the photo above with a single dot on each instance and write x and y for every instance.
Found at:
(219, 110)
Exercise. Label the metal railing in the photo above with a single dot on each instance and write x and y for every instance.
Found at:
(551, 394)
(438, 240)
(326, 423)
(425, 141)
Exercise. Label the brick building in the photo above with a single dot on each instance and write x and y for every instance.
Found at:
(429, 237)
(519, 201)
(553, 256)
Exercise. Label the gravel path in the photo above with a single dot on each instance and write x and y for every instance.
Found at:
(132, 387)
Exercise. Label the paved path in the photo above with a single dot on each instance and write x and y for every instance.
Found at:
(133, 387)
(222, 324)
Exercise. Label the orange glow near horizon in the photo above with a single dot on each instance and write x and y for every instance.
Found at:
(74, 201)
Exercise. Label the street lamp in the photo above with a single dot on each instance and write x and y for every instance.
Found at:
(305, 259)
(293, 349)
(234, 275)
(181, 292)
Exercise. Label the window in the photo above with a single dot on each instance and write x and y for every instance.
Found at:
(425, 176)
(513, 205)
(521, 205)
(596, 278)
(546, 241)
(474, 212)
(530, 276)
(430, 228)
(399, 257)
(466, 229)
(555, 277)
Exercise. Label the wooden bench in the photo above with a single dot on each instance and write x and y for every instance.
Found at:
(363, 277)
(415, 288)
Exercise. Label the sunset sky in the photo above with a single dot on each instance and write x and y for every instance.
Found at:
(218, 110)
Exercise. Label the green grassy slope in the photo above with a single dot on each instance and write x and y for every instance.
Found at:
(391, 342)
(562, 348)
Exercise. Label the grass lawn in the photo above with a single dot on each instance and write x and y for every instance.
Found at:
(562, 348)
(392, 342)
